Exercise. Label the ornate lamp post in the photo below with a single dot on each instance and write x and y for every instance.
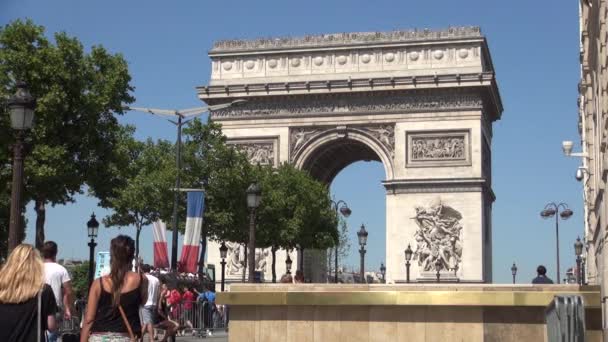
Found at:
(341, 208)
(578, 251)
(92, 228)
(438, 268)
(21, 107)
(551, 210)
(408, 257)
(514, 272)
(362, 235)
(254, 197)
(288, 264)
(383, 272)
(223, 252)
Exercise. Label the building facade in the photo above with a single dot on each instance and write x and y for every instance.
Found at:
(593, 128)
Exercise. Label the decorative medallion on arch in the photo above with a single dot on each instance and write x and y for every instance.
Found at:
(325, 151)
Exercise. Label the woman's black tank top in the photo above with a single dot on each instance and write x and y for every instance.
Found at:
(108, 318)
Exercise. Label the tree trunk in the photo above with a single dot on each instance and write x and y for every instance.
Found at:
(274, 262)
(201, 259)
(137, 233)
(40, 218)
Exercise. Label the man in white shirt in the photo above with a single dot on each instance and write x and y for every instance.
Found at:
(148, 313)
(58, 278)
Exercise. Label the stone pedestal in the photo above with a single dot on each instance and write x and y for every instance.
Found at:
(434, 313)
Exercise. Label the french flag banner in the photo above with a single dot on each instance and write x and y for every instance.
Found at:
(192, 237)
(161, 257)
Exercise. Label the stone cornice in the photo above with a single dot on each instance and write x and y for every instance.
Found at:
(434, 185)
(345, 39)
(345, 85)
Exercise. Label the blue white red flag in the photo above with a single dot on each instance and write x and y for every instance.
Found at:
(161, 257)
(192, 236)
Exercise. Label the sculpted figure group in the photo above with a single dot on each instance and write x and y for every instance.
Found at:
(438, 237)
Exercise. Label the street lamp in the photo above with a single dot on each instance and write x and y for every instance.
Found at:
(551, 210)
(342, 208)
(408, 257)
(578, 251)
(184, 117)
(223, 252)
(21, 108)
(92, 228)
(514, 272)
(438, 267)
(254, 196)
(362, 235)
(288, 264)
(383, 272)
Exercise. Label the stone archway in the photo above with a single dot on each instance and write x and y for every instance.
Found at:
(420, 102)
(325, 151)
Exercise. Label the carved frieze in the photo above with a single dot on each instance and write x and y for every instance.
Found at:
(438, 237)
(352, 104)
(438, 148)
(257, 152)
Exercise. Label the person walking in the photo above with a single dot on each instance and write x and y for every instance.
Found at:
(541, 277)
(149, 311)
(27, 303)
(114, 300)
(166, 323)
(58, 278)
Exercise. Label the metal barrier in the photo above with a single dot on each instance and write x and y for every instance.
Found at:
(565, 318)
(199, 318)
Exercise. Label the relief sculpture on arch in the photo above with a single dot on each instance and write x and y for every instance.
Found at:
(438, 237)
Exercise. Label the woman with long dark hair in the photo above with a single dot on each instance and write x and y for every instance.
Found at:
(114, 300)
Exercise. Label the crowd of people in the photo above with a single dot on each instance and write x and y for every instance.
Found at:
(36, 295)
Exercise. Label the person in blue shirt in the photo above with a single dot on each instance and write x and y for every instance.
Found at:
(208, 298)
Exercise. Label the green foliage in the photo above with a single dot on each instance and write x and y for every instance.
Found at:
(295, 209)
(76, 131)
(144, 193)
(224, 173)
(80, 278)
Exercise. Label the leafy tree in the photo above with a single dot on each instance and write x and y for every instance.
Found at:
(145, 193)
(295, 209)
(225, 174)
(76, 131)
(80, 278)
(295, 212)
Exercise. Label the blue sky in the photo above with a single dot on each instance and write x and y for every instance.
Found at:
(534, 49)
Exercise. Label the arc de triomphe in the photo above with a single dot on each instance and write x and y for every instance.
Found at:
(420, 102)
